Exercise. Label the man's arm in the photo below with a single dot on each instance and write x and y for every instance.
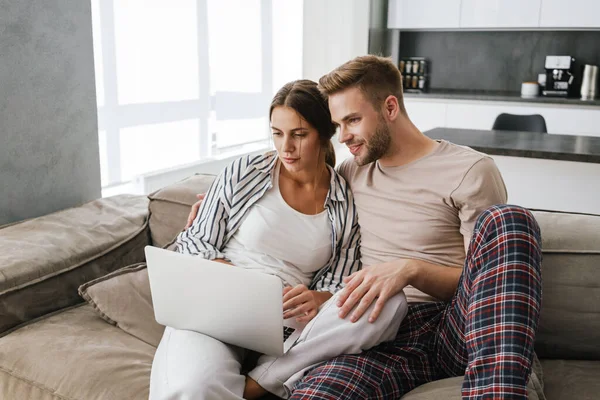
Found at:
(438, 281)
(194, 211)
(380, 282)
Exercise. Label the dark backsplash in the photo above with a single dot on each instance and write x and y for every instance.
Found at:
(495, 61)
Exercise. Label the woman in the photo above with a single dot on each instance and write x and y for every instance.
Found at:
(286, 213)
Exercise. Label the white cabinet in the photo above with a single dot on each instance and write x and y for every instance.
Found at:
(493, 14)
(423, 14)
(571, 14)
(500, 13)
(559, 119)
(551, 184)
(426, 115)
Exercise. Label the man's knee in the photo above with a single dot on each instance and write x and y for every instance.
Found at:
(502, 218)
(507, 229)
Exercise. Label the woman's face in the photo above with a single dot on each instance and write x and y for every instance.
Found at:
(297, 142)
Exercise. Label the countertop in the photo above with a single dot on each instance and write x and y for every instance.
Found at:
(524, 144)
(498, 96)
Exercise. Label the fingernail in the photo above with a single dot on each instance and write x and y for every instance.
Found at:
(339, 303)
(353, 319)
(371, 320)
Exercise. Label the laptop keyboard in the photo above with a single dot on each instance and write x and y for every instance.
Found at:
(287, 331)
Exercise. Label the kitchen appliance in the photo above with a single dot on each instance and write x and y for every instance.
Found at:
(415, 74)
(589, 82)
(560, 76)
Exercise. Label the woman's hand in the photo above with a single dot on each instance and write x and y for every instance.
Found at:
(299, 301)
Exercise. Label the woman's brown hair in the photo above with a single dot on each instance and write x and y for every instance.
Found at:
(305, 98)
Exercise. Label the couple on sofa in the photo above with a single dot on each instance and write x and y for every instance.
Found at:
(404, 263)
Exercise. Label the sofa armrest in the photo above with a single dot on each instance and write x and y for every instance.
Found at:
(44, 260)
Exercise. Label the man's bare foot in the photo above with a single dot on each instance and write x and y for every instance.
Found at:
(253, 390)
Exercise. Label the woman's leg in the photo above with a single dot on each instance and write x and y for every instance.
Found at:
(325, 337)
(190, 365)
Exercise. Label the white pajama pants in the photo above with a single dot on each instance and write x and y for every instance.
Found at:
(190, 365)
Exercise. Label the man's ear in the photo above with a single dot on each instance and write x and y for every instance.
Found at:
(391, 107)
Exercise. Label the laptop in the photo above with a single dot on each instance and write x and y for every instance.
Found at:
(231, 304)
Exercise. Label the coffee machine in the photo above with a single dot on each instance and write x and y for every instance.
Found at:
(560, 76)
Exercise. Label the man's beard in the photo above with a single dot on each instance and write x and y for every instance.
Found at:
(378, 145)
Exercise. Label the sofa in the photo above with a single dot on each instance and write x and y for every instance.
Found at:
(60, 274)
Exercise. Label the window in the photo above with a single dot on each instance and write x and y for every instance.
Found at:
(184, 80)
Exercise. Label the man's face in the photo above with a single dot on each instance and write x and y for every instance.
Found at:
(362, 128)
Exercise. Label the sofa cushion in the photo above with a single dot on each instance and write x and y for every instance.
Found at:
(122, 298)
(170, 207)
(44, 260)
(571, 379)
(450, 389)
(74, 355)
(570, 318)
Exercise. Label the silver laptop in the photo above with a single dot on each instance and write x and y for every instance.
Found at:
(228, 303)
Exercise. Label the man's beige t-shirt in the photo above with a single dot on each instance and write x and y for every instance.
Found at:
(423, 210)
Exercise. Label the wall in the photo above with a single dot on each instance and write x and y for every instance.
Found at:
(48, 128)
(335, 31)
(497, 61)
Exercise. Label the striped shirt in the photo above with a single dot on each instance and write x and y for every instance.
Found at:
(241, 185)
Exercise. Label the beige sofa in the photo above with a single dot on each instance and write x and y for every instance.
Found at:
(54, 345)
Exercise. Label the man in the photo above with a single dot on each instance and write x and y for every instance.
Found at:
(433, 224)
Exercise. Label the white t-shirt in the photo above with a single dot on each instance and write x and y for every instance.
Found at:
(275, 239)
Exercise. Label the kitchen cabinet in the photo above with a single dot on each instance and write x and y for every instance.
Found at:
(500, 13)
(426, 115)
(493, 14)
(560, 119)
(423, 14)
(571, 14)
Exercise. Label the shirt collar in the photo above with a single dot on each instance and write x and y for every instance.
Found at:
(266, 165)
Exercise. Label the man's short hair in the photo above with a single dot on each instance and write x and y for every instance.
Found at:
(376, 77)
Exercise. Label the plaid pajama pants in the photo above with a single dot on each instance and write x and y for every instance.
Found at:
(486, 332)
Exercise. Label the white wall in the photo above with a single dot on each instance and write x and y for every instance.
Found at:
(335, 31)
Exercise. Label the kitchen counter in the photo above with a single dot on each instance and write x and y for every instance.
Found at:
(497, 96)
(584, 149)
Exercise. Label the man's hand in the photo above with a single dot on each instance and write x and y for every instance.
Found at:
(194, 211)
(374, 283)
(299, 301)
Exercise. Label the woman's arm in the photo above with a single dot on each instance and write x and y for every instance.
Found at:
(346, 258)
(207, 232)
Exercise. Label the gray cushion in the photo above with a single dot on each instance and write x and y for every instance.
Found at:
(450, 389)
(571, 379)
(570, 318)
(170, 207)
(44, 260)
(74, 355)
(123, 298)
